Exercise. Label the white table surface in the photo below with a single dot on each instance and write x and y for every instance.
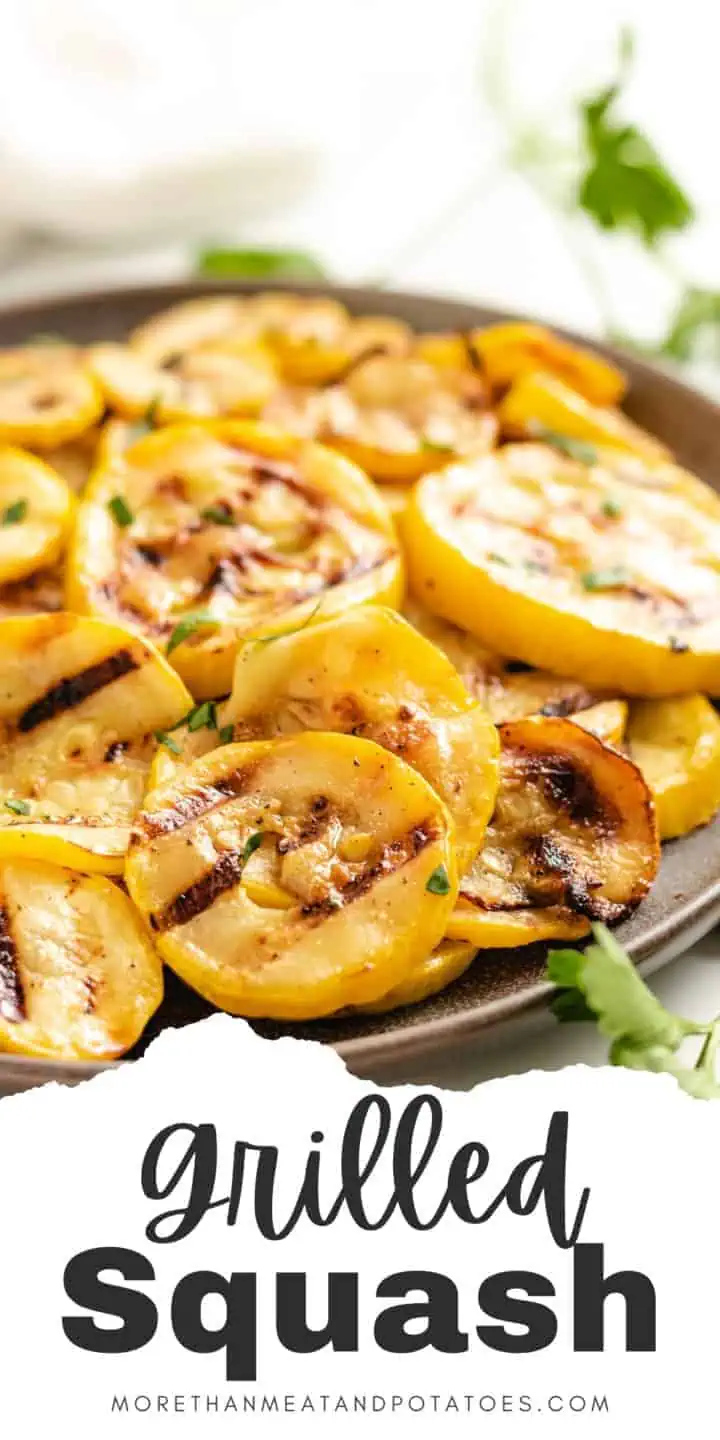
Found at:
(417, 214)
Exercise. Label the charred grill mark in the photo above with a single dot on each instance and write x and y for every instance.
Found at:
(74, 689)
(12, 1000)
(370, 353)
(186, 808)
(91, 987)
(199, 897)
(569, 786)
(392, 857)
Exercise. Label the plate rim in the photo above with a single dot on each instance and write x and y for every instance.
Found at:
(383, 1049)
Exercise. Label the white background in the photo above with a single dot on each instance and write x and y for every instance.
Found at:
(358, 128)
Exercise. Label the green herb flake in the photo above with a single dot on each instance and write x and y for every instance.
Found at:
(611, 579)
(18, 807)
(252, 843)
(612, 509)
(147, 422)
(120, 511)
(217, 515)
(203, 717)
(437, 447)
(163, 738)
(225, 734)
(439, 882)
(578, 450)
(192, 622)
(259, 264)
(14, 513)
(603, 983)
(496, 558)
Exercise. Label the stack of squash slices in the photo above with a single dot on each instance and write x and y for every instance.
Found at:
(345, 654)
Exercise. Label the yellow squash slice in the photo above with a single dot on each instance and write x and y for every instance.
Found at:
(75, 460)
(188, 326)
(539, 402)
(36, 508)
(507, 352)
(333, 922)
(511, 690)
(573, 839)
(79, 979)
(228, 531)
(80, 701)
(573, 568)
(210, 382)
(368, 673)
(676, 744)
(446, 963)
(47, 396)
(396, 416)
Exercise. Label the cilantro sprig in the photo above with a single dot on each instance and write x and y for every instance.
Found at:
(601, 983)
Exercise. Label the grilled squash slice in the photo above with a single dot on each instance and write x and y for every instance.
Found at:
(351, 858)
(188, 326)
(507, 352)
(538, 402)
(79, 702)
(510, 690)
(212, 381)
(79, 979)
(676, 744)
(447, 962)
(573, 839)
(47, 396)
(396, 416)
(248, 529)
(368, 673)
(573, 568)
(36, 508)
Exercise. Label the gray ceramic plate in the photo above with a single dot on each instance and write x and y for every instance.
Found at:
(503, 984)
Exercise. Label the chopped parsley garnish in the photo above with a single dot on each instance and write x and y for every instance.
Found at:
(611, 508)
(602, 984)
(611, 579)
(497, 559)
(252, 843)
(202, 717)
(575, 449)
(196, 620)
(225, 734)
(147, 422)
(163, 738)
(120, 511)
(440, 447)
(14, 513)
(439, 882)
(217, 515)
(18, 807)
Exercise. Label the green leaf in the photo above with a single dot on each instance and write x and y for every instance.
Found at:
(259, 264)
(163, 738)
(192, 622)
(18, 807)
(436, 446)
(14, 513)
(611, 579)
(576, 449)
(147, 422)
(217, 515)
(439, 882)
(251, 845)
(202, 717)
(120, 511)
(694, 331)
(626, 185)
(602, 982)
(611, 508)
